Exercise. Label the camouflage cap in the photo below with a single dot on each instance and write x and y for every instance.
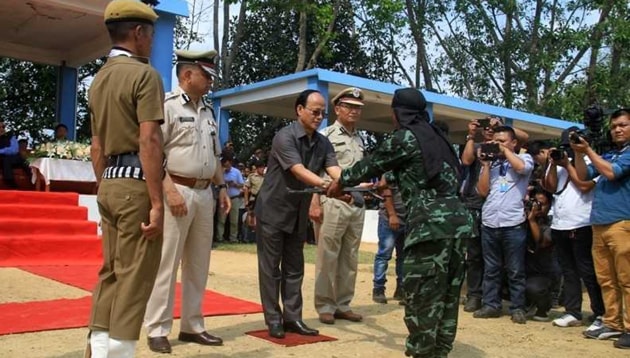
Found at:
(128, 11)
(205, 59)
(350, 95)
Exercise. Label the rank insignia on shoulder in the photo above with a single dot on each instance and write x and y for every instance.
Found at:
(186, 119)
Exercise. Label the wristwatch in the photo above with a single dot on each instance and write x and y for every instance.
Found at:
(222, 186)
(469, 137)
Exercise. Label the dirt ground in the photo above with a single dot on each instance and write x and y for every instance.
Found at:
(382, 333)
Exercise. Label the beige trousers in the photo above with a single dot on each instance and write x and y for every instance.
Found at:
(187, 240)
(611, 255)
(337, 255)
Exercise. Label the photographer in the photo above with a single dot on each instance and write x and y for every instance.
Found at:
(610, 217)
(572, 235)
(539, 257)
(474, 202)
(503, 183)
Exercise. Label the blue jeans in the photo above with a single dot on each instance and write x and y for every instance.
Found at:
(388, 239)
(504, 248)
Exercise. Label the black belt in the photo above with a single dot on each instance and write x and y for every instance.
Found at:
(235, 196)
(124, 160)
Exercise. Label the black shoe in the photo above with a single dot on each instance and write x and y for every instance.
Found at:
(203, 338)
(623, 342)
(472, 304)
(487, 312)
(276, 330)
(300, 327)
(159, 344)
(378, 295)
(518, 316)
(399, 294)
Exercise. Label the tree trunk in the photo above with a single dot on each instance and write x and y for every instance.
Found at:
(531, 83)
(417, 21)
(596, 42)
(224, 42)
(324, 40)
(236, 43)
(508, 96)
(301, 60)
(215, 25)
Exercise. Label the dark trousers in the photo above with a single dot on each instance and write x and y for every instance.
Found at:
(538, 292)
(504, 248)
(576, 261)
(280, 272)
(474, 258)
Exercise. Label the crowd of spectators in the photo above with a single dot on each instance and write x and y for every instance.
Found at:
(552, 217)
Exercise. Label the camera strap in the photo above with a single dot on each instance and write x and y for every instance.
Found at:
(566, 184)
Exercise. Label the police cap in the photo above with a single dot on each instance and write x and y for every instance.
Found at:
(129, 11)
(350, 95)
(205, 59)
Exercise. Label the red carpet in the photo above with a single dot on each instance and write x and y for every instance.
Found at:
(290, 339)
(73, 313)
(46, 228)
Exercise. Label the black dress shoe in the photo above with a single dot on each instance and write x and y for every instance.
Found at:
(203, 338)
(276, 330)
(159, 344)
(300, 327)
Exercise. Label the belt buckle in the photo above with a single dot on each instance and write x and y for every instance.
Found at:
(200, 184)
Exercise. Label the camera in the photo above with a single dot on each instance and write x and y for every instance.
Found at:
(490, 151)
(574, 137)
(529, 204)
(484, 122)
(594, 132)
(556, 154)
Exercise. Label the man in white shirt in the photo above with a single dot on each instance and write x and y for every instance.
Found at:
(572, 234)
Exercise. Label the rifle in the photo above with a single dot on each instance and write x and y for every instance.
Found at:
(356, 189)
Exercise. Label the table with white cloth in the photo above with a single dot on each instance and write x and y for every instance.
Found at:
(63, 170)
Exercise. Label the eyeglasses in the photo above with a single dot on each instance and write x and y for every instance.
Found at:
(317, 112)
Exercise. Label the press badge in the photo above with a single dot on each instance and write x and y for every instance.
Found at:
(503, 184)
(186, 119)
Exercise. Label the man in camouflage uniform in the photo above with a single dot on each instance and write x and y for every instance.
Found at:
(426, 170)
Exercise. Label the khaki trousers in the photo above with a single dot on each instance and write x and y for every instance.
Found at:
(130, 262)
(611, 255)
(237, 202)
(187, 240)
(337, 256)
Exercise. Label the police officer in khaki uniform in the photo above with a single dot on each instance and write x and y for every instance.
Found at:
(192, 150)
(126, 107)
(342, 223)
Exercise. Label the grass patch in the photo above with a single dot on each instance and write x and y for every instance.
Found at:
(310, 252)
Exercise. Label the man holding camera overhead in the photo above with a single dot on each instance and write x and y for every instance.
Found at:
(610, 217)
(572, 235)
(474, 202)
(503, 182)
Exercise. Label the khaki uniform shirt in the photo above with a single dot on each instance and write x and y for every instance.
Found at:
(191, 138)
(254, 182)
(125, 92)
(348, 146)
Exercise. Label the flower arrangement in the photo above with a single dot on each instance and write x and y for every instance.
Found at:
(63, 150)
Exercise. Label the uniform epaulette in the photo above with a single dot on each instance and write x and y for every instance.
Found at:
(170, 95)
(328, 131)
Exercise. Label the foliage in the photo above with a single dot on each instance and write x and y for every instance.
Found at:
(548, 57)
